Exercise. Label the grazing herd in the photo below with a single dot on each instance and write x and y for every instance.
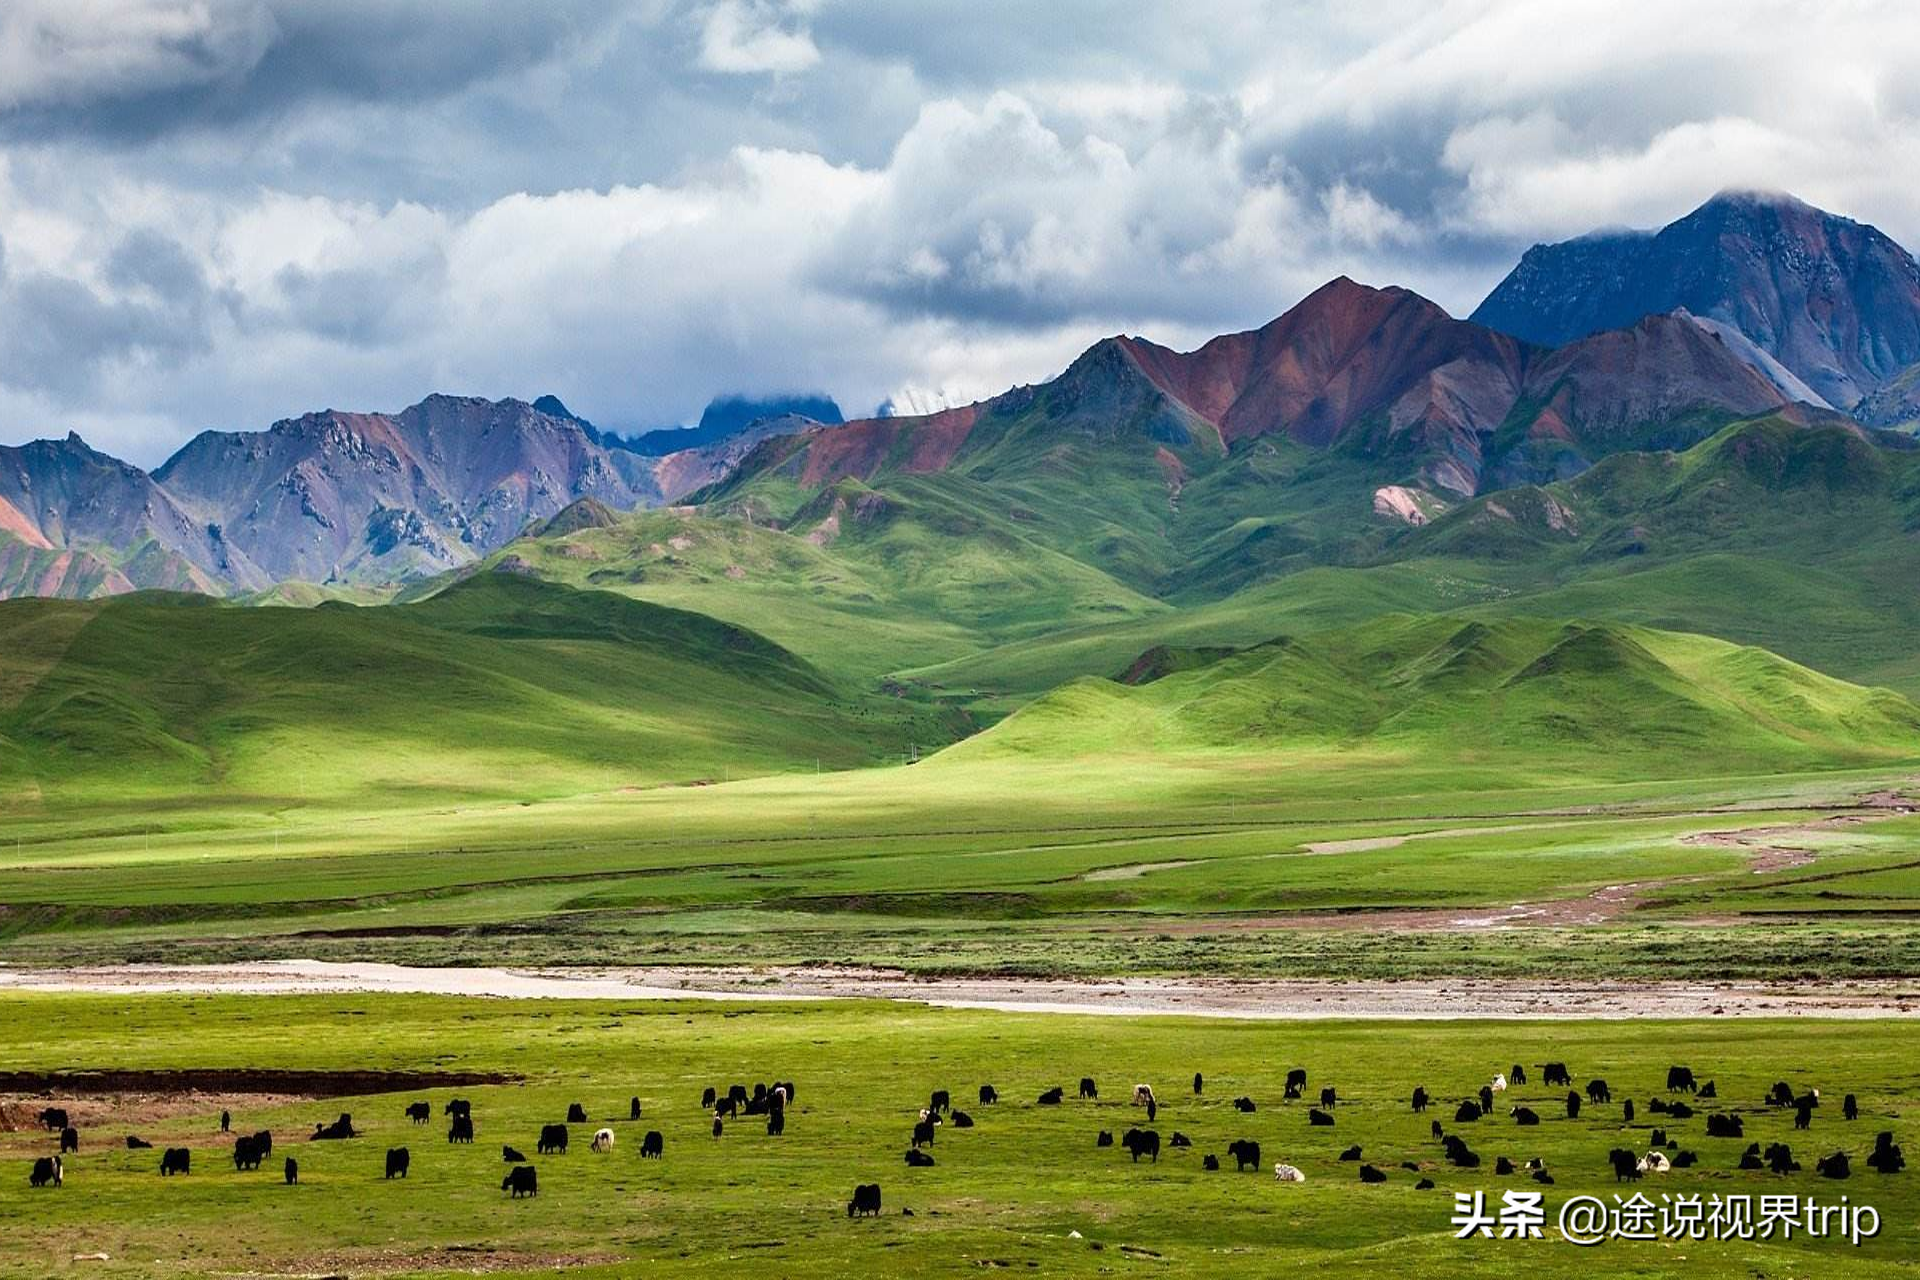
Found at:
(1661, 1154)
(250, 1150)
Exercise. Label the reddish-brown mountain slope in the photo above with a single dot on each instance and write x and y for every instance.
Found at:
(1346, 352)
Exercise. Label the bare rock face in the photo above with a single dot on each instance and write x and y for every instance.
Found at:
(75, 522)
(327, 497)
(1667, 382)
(677, 474)
(377, 497)
(1834, 301)
(1344, 354)
(1897, 404)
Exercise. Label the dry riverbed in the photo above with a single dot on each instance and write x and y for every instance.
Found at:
(1198, 997)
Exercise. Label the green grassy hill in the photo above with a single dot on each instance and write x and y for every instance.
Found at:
(1536, 695)
(1802, 540)
(871, 583)
(501, 685)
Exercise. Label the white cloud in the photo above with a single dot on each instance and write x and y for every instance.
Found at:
(1355, 217)
(747, 37)
(1540, 120)
(54, 51)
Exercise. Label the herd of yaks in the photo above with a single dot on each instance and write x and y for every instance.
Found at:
(1663, 1155)
(249, 1150)
(1684, 1094)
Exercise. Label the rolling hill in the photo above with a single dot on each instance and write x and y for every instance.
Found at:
(1790, 532)
(1530, 695)
(500, 685)
(870, 585)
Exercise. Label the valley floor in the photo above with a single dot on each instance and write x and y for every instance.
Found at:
(1218, 868)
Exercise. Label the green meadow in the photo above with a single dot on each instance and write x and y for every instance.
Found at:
(1227, 864)
(1025, 1189)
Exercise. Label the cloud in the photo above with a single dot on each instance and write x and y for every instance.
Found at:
(152, 308)
(1071, 226)
(140, 69)
(220, 212)
(64, 52)
(1514, 122)
(746, 37)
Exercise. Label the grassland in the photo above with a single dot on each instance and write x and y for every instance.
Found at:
(681, 737)
(986, 586)
(1010, 1193)
(1204, 865)
(501, 686)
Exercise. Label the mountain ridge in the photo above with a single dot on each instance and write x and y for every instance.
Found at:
(1173, 472)
(1835, 301)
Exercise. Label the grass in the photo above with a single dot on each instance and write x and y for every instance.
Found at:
(924, 866)
(879, 584)
(503, 686)
(1604, 699)
(1012, 1191)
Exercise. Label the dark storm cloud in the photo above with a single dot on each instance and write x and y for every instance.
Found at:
(228, 63)
(59, 335)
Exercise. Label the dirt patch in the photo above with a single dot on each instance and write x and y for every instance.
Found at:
(1365, 844)
(1766, 846)
(1410, 506)
(242, 1080)
(1360, 844)
(131, 1100)
(109, 1116)
(1133, 871)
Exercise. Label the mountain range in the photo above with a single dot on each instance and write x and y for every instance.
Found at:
(329, 497)
(1359, 411)
(1832, 301)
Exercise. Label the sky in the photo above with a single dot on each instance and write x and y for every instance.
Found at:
(219, 213)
